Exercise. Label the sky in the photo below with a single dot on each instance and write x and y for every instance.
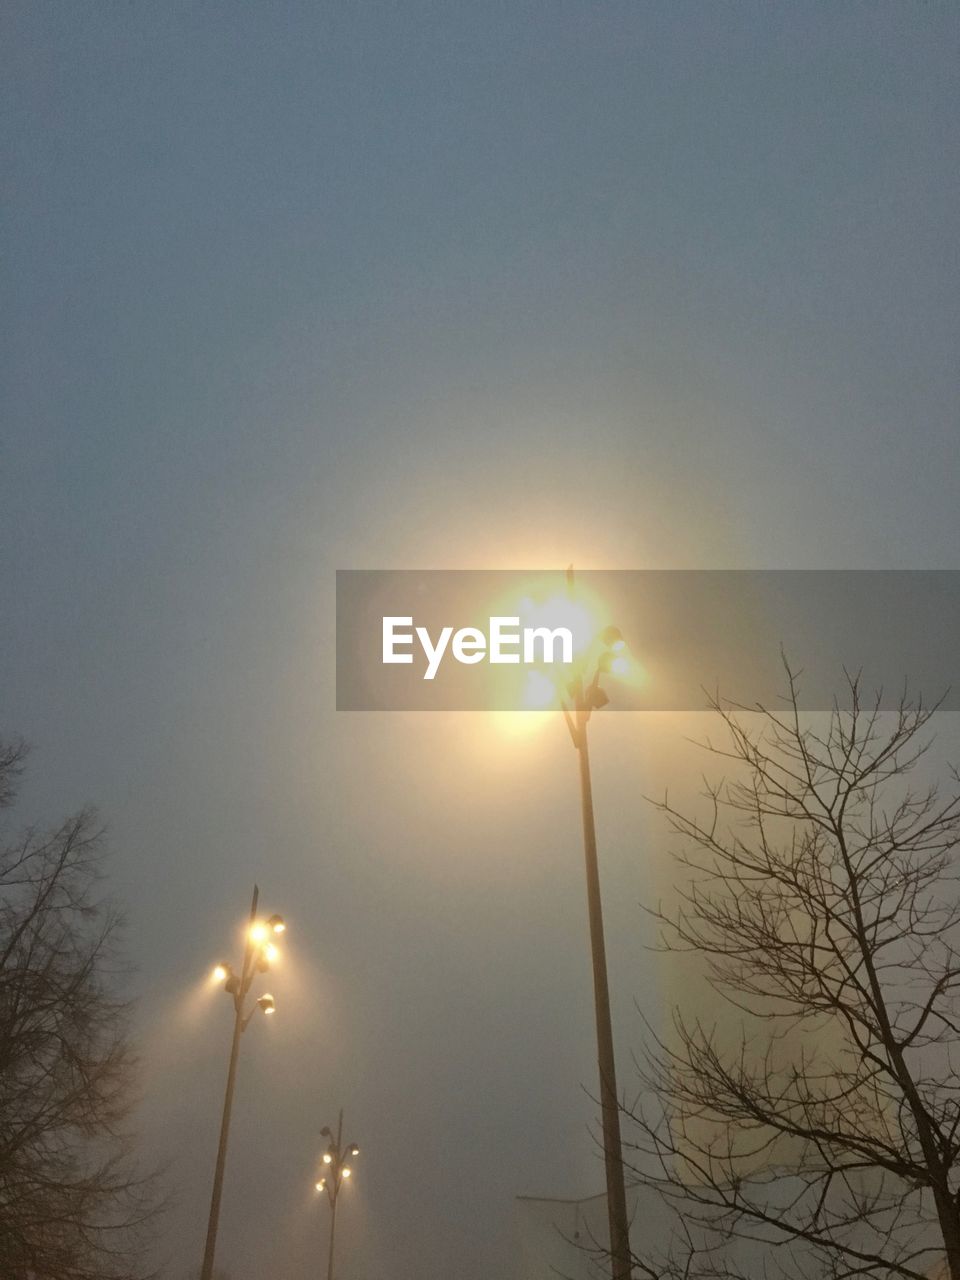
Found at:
(295, 287)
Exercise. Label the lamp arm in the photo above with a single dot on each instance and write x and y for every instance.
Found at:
(574, 734)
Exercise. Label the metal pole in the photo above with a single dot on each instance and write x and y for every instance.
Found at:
(336, 1194)
(612, 1147)
(206, 1271)
(333, 1231)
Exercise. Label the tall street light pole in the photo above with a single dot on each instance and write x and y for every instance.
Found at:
(335, 1171)
(258, 950)
(586, 700)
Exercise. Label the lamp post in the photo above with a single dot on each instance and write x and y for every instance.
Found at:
(334, 1172)
(259, 949)
(586, 699)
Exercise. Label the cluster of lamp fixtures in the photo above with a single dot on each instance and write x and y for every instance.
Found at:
(332, 1158)
(260, 939)
(612, 659)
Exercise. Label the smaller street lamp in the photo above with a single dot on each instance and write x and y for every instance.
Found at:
(259, 952)
(336, 1170)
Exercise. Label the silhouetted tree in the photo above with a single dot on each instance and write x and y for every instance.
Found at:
(819, 1109)
(71, 1205)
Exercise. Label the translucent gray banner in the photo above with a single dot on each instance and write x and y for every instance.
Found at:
(440, 640)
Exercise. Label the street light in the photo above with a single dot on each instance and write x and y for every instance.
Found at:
(335, 1171)
(258, 952)
(584, 700)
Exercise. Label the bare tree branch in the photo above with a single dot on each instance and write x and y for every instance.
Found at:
(819, 1118)
(72, 1206)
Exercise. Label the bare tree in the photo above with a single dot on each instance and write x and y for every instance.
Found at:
(71, 1205)
(813, 1127)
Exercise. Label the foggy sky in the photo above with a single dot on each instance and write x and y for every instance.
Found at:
(296, 287)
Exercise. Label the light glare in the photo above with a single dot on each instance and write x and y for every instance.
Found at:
(539, 691)
(562, 611)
